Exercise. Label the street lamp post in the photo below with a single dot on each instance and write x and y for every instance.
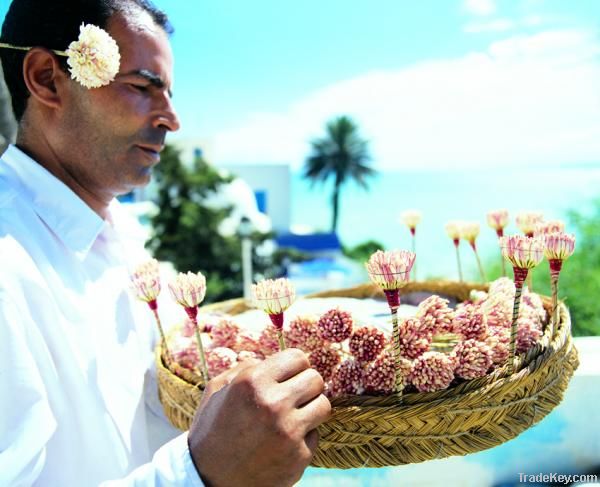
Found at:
(245, 229)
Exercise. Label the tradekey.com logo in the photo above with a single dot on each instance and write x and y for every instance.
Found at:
(556, 478)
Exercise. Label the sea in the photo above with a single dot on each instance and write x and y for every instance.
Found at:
(441, 196)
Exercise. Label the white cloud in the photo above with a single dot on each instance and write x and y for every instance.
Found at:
(525, 100)
(532, 21)
(498, 25)
(502, 24)
(480, 7)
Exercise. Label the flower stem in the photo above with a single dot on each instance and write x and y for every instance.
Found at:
(398, 382)
(281, 339)
(554, 317)
(444, 342)
(204, 368)
(483, 278)
(192, 315)
(530, 282)
(520, 275)
(460, 276)
(162, 335)
(500, 233)
(414, 250)
(277, 320)
(555, 267)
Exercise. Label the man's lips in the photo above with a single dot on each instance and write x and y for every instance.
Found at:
(151, 150)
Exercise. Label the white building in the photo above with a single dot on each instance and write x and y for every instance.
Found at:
(271, 184)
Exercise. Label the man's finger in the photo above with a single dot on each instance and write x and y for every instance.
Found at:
(304, 387)
(284, 365)
(225, 378)
(312, 440)
(315, 412)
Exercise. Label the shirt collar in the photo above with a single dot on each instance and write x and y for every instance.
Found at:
(67, 215)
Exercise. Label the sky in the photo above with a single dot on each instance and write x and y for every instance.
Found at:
(431, 84)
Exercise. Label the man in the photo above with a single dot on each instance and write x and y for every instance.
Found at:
(73, 354)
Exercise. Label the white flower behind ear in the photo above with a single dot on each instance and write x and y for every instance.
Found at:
(94, 57)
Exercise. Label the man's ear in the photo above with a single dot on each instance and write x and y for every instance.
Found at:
(43, 76)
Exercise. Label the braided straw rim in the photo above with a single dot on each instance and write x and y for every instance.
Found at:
(366, 431)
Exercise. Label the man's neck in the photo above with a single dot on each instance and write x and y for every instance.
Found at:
(41, 152)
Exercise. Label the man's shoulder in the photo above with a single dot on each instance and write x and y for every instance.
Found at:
(8, 192)
(16, 220)
(17, 225)
(11, 198)
(20, 275)
(13, 255)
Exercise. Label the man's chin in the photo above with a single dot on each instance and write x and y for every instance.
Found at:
(140, 181)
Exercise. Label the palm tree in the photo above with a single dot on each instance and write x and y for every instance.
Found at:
(340, 154)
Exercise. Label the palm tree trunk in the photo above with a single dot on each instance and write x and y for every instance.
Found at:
(335, 202)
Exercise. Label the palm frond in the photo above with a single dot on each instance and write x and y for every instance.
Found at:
(340, 154)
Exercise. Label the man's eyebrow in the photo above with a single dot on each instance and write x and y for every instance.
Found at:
(151, 76)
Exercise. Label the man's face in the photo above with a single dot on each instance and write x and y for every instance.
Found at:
(113, 135)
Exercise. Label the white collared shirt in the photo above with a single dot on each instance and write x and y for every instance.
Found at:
(74, 344)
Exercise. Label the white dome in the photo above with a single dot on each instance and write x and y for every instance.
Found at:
(240, 196)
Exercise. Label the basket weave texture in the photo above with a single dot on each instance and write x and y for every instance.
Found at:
(366, 431)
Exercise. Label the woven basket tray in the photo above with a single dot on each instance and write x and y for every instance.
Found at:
(368, 431)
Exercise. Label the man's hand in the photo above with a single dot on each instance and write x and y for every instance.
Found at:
(259, 427)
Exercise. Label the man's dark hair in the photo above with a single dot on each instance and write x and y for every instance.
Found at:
(54, 24)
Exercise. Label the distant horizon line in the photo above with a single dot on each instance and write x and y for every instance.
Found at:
(429, 169)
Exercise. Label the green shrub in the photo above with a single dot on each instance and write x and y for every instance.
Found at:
(185, 230)
(362, 251)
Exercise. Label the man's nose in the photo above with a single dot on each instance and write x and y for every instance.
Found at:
(166, 117)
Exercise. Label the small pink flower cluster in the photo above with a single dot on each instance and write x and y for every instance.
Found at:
(502, 288)
(497, 307)
(224, 333)
(303, 333)
(421, 368)
(498, 340)
(335, 325)
(360, 360)
(469, 321)
(497, 311)
(347, 379)
(414, 337)
(473, 359)
(435, 314)
(483, 328)
(246, 342)
(220, 359)
(268, 341)
(366, 344)
(224, 342)
(380, 374)
(532, 307)
(528, 333)
(432, 371)
(185, 353)
(324, 360)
